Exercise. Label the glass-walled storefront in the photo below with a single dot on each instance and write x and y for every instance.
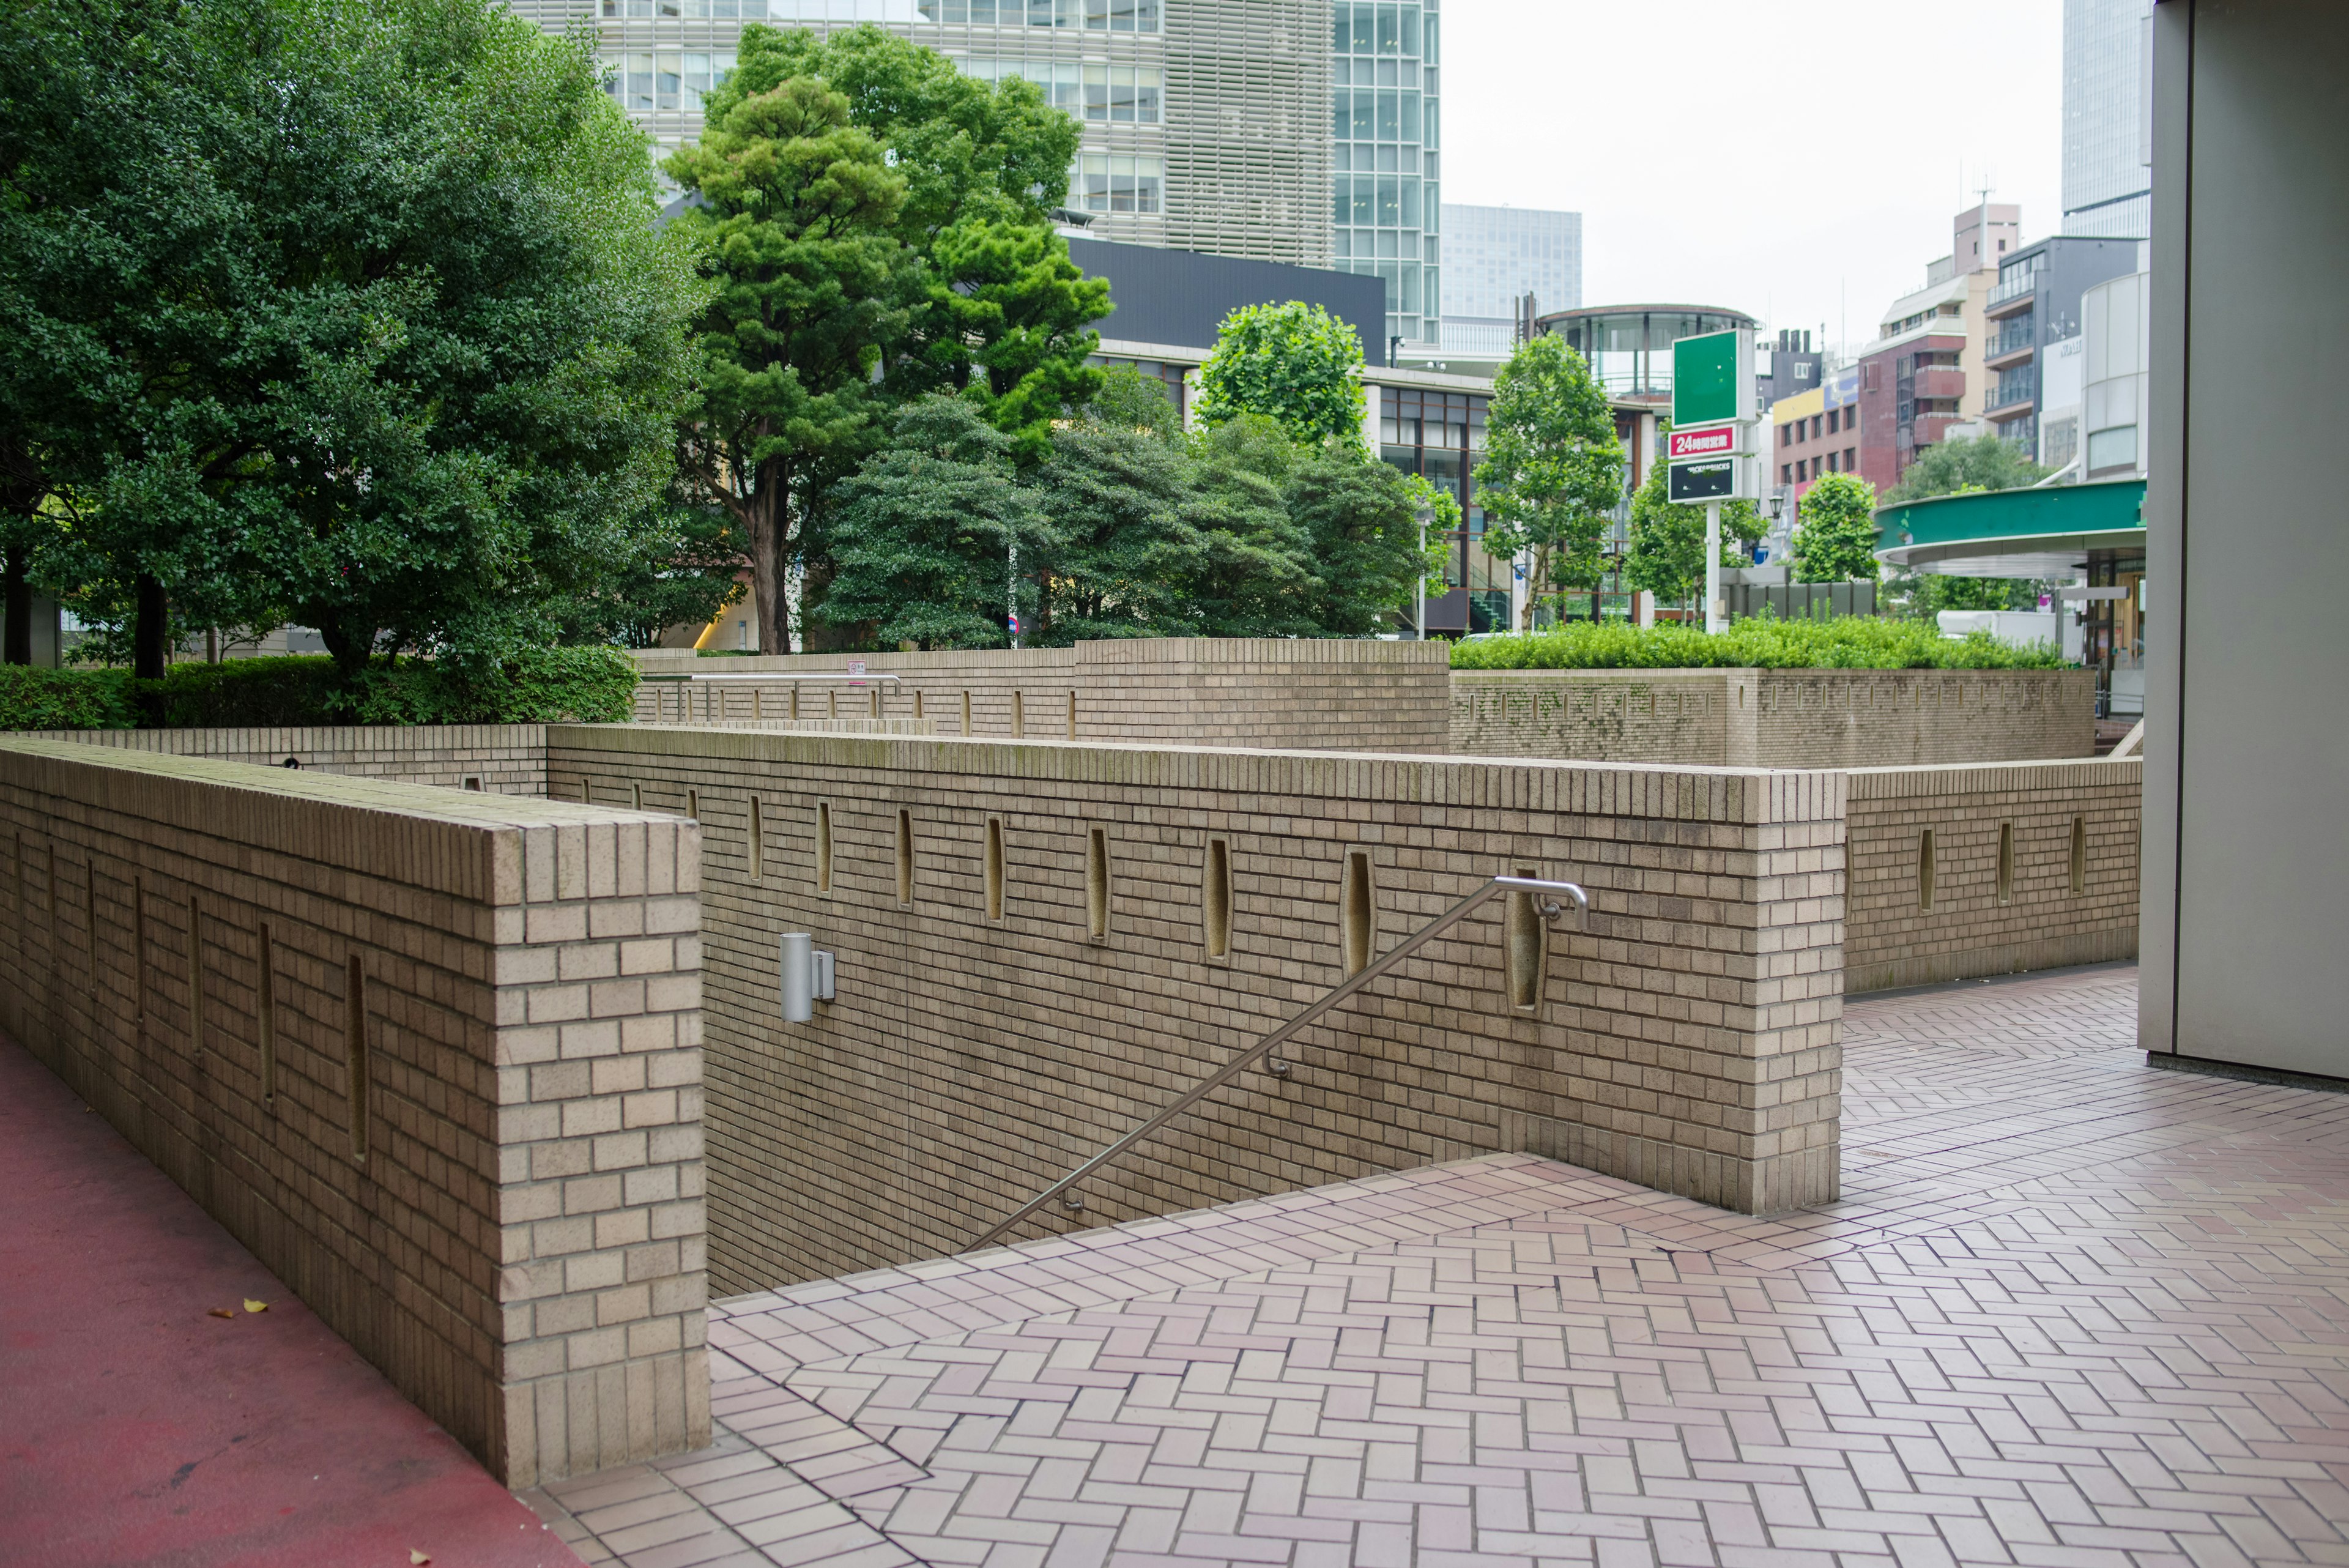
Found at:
(1441, 435)
(1630, 347)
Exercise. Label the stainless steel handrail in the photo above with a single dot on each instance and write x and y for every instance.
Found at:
(1281, 1037)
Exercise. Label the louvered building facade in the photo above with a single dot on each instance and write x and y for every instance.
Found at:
(1206, 122)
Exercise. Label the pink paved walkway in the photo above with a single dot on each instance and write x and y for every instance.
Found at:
(137, 1428)
(2071, 1313)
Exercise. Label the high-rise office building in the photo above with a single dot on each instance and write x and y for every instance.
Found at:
(1492, 257)
(1203, 121)
(1385, 216)
(2107, 90)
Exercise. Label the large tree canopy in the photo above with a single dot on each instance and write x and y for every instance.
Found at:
(391, 345)
(878, 228)
(1295, 364)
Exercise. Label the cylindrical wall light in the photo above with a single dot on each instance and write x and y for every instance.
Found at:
(798, 972)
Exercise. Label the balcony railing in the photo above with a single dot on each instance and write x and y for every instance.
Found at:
(2014, 287)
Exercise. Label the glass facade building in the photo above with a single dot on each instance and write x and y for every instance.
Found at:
(2108, 183)
(1201, 123)
(1494, 256)
(1385, 215)
(1630, 347)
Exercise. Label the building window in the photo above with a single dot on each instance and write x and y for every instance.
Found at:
(1850, 459)
(1802, 471)
(1093, 15)
(1785, 473)
(1118, 185)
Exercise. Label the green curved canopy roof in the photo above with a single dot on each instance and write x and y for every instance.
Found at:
(2012, 533)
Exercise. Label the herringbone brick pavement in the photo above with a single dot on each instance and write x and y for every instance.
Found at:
(2072, 1311)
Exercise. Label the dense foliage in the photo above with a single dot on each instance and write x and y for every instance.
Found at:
(1130, 527)
(1835, 532)
(346, 312)
(1294, 364)
(548, 685)
(1950, 467)
(876, 227)
(1843, 642)
(1553, 469)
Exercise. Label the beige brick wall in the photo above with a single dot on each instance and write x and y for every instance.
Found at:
(502, 759)
(1274, 693)
(1774, 718)
(501, 1208)
(1687, 1039)
(1976, 924)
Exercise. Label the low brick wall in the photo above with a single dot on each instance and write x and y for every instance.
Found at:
(1274, 693)
(2063, 889)
(433, 1056)
(1686, 1038)
(502, 759)
(1774, 718)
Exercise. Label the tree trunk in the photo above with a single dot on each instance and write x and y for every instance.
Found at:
(18, 608)
(770, 561)
(150, 630)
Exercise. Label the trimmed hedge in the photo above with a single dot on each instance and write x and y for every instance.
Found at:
(1842, 642)
(34, 698)
(549, 685)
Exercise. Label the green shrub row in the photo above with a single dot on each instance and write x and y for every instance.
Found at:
(1843, 642)
(549, 685)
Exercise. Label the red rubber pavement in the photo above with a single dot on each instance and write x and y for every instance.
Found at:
(137, 1428)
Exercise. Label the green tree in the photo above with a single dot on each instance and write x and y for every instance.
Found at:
(1665, 550)
(1834, 537)
(686, 568)
(929, 530)
(797, 224)
(1256, 575)
(1949, 467)
(404, 360)
(1130, 549)
(1295, 364)
(1001, 308)
(1363, 517)
(1553, 469)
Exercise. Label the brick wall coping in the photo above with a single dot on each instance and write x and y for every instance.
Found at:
(296, 739)
(1614, 789)
(1975, 778)
(468, 845)
(1170, 652)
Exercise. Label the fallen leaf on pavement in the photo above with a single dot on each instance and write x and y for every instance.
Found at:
(221, 1312)
(252, 1305)
(417, 1557)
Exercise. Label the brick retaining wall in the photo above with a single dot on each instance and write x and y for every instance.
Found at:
(1276, 692)
(1687, 1039)
(1774, 718)
(482, 1167)
(1980, 921)
(502, 759)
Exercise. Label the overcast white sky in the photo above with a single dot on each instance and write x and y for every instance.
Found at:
(1779, 157)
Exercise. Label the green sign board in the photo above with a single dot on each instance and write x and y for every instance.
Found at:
(1712, 378)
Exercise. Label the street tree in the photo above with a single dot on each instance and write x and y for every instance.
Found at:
(1834, 537)
(1664, 552)
(1553, 469)
(1295, 364)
